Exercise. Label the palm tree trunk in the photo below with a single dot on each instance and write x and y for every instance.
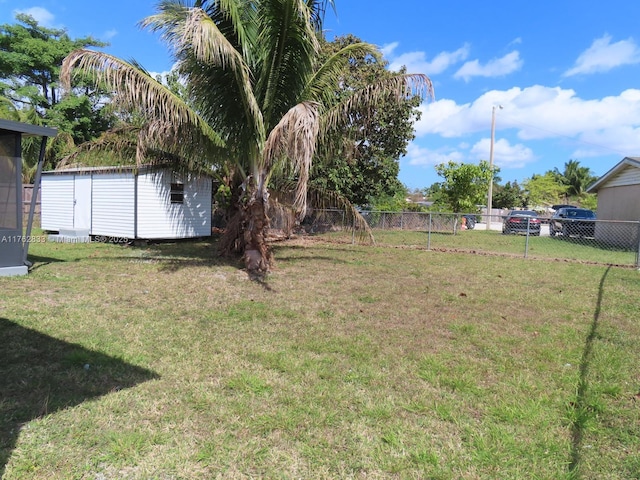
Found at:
(246, 230)
(255, 225)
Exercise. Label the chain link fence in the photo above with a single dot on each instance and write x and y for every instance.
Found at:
(592, 241)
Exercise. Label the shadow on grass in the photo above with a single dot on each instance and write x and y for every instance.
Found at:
(38, 261)
(583, 410)
(173, 255)
(594, 243)
(40, 375)
(286, 253)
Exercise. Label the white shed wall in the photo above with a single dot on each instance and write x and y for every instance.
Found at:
(159, 218)
(122, 204)
(113, 212)
(57, 197)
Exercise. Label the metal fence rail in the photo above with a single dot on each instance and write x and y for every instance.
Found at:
(599, 241)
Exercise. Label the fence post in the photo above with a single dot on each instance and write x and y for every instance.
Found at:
(353, 231)
(638, 249)
(429, 234)
(526, 242)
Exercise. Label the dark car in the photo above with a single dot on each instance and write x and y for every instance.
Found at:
(564, 205)
(470, 221)
(521, 221)
(580, 222)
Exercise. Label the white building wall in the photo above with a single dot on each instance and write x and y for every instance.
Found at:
(129, 206)
(113, 212)
(197, 206)
(628, 176)
(57, 197)
(159, 218)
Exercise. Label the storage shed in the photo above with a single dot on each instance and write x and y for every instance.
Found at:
(14, 244)
(619, 202)
(125, 203)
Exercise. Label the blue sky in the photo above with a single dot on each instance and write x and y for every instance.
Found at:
(566, 73)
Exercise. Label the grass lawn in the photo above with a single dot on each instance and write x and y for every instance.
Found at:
(166, 362)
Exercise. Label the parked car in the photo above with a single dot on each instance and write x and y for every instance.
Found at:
(470, 221)
(521, 221)
(563, 205)
(573, 221)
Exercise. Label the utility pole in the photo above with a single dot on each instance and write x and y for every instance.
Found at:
(490, 194)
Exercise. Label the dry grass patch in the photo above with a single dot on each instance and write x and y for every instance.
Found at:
(349, 362)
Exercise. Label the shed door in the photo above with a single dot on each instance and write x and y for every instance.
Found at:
(82, 202)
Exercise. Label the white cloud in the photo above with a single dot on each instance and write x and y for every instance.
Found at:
(497, 67)
(442, 117)
(504, 154)
(591, 127)
(603, 56)
(387, 50)
(416, 62)
(43, 16)
(420, 156)
(109, 34)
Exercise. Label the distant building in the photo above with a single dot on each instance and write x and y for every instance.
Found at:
(618, 199)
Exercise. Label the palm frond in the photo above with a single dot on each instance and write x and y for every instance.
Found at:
(322, 84)
(121, 139)
(205, 42)
(137, 91)
(294, 138)
(288, 45)
(320, 202)
(323, 201)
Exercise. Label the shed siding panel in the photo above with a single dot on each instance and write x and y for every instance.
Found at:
(159, 218)
(56, 199)
(629, 176)
(619, 203)
(197, 207)
(113, 205)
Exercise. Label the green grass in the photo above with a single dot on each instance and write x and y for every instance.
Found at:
(165, 361)
(492, 242)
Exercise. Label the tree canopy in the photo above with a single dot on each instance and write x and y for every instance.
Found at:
(575, 177)
(260, 100)
(30, 60)
(543, 190)
(465, 185)
(362, 162)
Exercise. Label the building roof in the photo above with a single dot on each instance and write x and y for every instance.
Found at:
(132, 169)
(27, 129)
(101, 169)
(622, 165)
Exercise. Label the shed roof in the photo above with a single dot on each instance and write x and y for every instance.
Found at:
(102, 169)
(132, 169)
(624, 163)
(27, 129)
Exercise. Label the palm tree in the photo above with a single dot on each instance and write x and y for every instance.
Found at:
(258, 100)
(576, 178)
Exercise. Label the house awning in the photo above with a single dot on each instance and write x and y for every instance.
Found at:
(27, 129)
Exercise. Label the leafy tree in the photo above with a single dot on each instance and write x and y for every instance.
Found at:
(465, 185)
(362, 162)
(30, 59)
(509, 195)
(543, 190)
(260, 99)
